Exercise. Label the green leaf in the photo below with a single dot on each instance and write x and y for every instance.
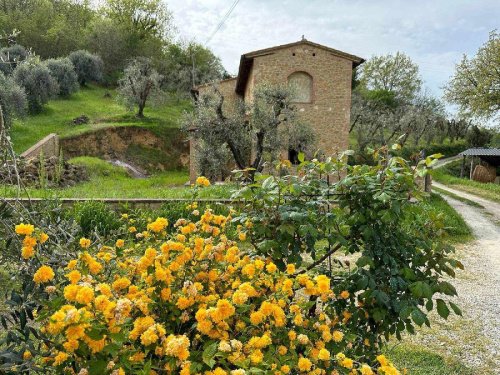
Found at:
(448, 289)
(301, 157)
(418, 317)
(364, 261)
(421, 289)
(442, 309)
(97, 366)
(429, 305)
(95, 334)
(209, 354)
(455, 308)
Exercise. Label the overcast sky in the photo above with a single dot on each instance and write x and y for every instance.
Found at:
(434, 33)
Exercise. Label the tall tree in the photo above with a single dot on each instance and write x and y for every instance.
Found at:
(189, 64)
(143, 17)
(52, 28)
(475, 86)
(393, 73)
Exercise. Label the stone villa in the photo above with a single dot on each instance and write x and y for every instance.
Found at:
(321, 77)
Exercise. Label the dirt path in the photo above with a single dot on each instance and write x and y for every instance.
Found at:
(492, 208)
(475, 337)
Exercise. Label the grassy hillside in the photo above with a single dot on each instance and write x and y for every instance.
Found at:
(102, 110)
(109, 181)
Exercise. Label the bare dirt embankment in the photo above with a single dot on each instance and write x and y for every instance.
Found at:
(136, 146)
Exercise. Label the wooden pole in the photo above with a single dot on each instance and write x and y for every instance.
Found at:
(471, 168)
(462, 170)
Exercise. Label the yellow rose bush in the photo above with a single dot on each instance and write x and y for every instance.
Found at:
(190, 300)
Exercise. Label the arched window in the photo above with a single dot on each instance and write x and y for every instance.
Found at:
(301, 84)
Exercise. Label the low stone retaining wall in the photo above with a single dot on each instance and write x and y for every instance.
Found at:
(117, 203)
(49, 146)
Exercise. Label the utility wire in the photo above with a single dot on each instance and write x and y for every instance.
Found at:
(222, 21)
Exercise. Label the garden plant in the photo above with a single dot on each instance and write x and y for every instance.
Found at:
(265, 288)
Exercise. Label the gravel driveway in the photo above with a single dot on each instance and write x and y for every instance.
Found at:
(474, 339)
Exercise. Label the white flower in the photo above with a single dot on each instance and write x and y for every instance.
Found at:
(224, 346)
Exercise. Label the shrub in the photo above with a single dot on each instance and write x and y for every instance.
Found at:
(64, 72)
(38, 83)
(88, 67)
(294, 218)
(95, 218)
(186, 301)
(10, 57)
(250, 290)
(12, 99)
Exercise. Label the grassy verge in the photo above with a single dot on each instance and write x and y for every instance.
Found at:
(100, 106)
(435, 207)
(457, 197)
(488, 191)
(108, 181)
(421, 361)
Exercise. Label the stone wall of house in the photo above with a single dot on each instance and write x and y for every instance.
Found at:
(227, 89)
(329, 111)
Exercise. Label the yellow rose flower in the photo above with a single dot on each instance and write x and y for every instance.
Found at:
(43, 274)
(25, 229)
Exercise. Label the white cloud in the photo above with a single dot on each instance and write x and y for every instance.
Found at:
(434, 33)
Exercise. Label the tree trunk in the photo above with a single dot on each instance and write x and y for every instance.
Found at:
(140, 113)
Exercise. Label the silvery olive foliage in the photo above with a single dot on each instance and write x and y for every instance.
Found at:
(88, 67)
(11, 56)
(64, 72)
(38, 83)
(12, 99)
(140, 83)
(378, 118)
(254, 133)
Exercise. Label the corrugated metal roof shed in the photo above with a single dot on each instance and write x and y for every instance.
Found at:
(481, 152)
(489, 155)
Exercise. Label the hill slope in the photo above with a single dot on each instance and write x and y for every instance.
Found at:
(100, 106)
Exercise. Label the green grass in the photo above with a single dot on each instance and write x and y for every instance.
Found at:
(108, 181)
(489, 191)
(457, 197)
(103, 112)
(421, 361)
(435, 206)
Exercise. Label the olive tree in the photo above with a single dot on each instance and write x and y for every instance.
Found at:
(64, 72)
(12, 99)
(475, 86)
(253, 133)
(38, 83)
(11, 56)
(88, 67)
(139, 83)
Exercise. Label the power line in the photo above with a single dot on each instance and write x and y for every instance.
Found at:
(222, 21)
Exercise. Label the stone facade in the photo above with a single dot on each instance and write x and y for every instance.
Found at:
(326, 72)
